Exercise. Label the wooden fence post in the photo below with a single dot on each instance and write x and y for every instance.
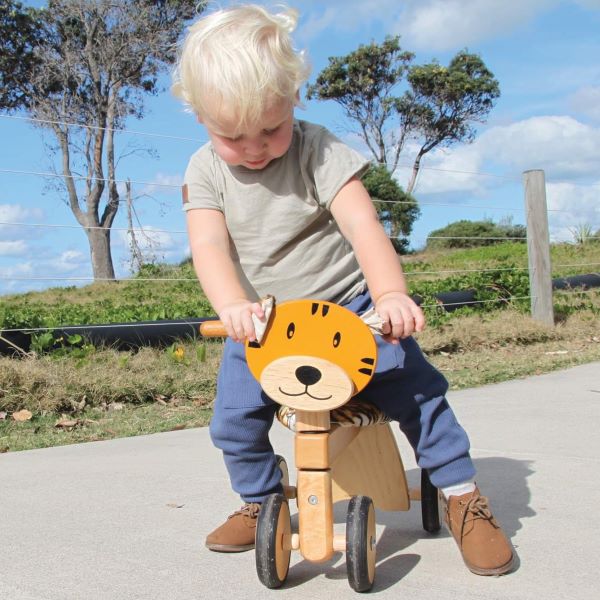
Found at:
(538, 247)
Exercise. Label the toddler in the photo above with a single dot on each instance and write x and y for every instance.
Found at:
(275, 205)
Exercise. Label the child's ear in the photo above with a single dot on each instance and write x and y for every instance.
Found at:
(199, 119)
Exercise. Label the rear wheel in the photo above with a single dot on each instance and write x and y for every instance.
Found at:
(273, 531)
(285, 472)
(430, 511)
(360, 543)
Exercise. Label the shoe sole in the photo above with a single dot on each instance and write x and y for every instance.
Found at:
(495, 571)
(227, 548)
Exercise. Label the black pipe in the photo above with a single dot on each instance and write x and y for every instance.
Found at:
(128, 336)
(582, 281)
(121, 336)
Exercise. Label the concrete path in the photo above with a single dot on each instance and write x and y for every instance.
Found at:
(126, 519)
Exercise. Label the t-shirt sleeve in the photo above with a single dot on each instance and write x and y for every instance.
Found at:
(200, 189)
(333, 163)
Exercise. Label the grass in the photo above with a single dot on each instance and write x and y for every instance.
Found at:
(96, 424)
(565, 258)
(94, 394)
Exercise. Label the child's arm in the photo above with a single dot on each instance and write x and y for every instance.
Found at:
(209, 243)
(357, 219)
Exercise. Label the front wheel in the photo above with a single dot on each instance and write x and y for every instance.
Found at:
(273, 528)
(360, 543)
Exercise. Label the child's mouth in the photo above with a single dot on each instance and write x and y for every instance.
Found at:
(255, 163)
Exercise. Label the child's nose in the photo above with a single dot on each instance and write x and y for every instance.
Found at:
(255, 145)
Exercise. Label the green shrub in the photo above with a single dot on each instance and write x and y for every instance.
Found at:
(469, 234)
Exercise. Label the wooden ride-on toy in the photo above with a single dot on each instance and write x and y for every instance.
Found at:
(313, 358)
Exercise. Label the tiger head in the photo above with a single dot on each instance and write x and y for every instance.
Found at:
(313, 356)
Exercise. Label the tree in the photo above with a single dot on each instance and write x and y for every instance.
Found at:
(362, 83)
(90, 64)
(448, 100)
(397, 210)
(19, 32)
(437, 108)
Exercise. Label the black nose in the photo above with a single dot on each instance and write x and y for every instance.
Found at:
(308, 375)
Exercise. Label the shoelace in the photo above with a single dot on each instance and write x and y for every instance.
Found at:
(478, 508)
(251, 510)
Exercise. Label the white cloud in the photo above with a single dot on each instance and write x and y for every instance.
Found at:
(37, 274)
(448, 170)
(572, 206)
(449, 24)
(561, 145)
(13, 248)
(154, 244)
(163, 183)
(430, 25)
(68, 262)
(14, 213)
(149, 238)
(341, 15)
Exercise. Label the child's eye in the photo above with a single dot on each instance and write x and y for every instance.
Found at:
(237, 138)
(270, 131)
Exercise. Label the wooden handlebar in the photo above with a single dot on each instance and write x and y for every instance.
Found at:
(212, 329)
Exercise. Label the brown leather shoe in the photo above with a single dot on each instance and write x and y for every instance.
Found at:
(483, 545)
(238, 533)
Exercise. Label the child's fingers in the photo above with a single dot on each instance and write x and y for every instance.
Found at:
(419, 317)
(257, 309)
(404, 325)
(248, 326)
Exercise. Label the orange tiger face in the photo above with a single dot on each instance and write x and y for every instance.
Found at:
(314, 355)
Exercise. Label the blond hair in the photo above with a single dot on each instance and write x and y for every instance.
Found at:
(240, 61)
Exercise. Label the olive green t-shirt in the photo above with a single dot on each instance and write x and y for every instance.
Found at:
(284, 239)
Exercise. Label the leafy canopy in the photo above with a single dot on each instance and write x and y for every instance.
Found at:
(392, 101)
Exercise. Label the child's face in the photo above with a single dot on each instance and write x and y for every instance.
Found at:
(257, 146)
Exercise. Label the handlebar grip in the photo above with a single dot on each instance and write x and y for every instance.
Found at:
(212, 329)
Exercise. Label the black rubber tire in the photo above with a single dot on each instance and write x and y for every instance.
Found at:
(272, 561)
(360, 543)
(430, 512)
(285, 472)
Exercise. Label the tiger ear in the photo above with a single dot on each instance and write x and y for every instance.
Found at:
(373, 320)
(260, 327)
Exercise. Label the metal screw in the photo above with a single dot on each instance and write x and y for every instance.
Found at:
(313, 500)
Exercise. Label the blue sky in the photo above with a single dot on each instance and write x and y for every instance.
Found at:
(545, 54)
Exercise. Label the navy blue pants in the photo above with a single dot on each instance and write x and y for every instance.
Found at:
(406, 387)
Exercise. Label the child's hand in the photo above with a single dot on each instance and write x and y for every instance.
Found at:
(401, 316)
(237, 319)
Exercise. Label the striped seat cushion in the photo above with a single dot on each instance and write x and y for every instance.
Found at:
(355, 413)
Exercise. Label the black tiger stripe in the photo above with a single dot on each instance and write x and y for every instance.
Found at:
(366, 371)
(325, 310)
(368, 361)
(314, 308)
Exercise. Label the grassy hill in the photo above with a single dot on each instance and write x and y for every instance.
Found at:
(172, 292)
(80, 392)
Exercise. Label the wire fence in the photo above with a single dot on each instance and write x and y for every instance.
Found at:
(153, 231)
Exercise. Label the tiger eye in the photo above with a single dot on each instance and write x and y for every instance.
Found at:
(337, 338)
(290, 331)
